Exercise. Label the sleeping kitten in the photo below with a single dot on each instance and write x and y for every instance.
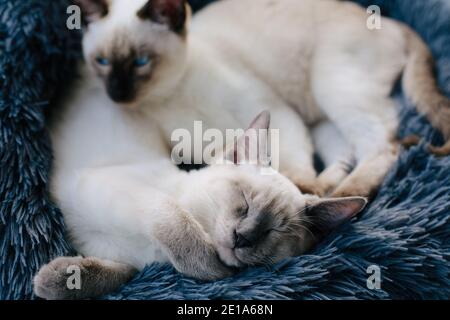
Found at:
(313, 64)
(126, 205)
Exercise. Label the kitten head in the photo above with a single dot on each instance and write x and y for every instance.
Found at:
(262, 219)
(136, 47)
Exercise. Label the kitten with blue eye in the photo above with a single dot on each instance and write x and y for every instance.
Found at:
(126, 204)
(316, 67)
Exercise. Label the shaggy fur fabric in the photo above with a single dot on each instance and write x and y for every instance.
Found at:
(405, 231)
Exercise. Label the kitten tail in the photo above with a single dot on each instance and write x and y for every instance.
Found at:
(421, 87)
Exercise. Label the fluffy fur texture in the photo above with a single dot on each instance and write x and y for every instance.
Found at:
(36, 54)
(405, 230)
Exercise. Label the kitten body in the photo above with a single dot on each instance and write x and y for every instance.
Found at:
(310, 63)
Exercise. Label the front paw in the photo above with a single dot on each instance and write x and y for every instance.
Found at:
(70, 278)
(354, 189)
(52, 281)
(306, 181)
(309, 186)
(203, 263)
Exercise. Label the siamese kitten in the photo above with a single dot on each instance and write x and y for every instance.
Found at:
(314, 64)
(127, 205)
(310, 62)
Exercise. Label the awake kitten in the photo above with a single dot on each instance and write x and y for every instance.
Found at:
(311, 63)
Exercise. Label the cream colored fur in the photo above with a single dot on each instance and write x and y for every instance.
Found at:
(312, 63)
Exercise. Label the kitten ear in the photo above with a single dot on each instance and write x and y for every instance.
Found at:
(172, 13)
(252, 146)
(261, 122)
(324, 216)
(92, 10)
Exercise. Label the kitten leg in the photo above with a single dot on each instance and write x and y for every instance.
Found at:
(353, 89)
(371, 135)
(369, 174)
(335, 152)
(295, 150)
(115, 213)
(190, 248)
(371, 132)
(74, 278)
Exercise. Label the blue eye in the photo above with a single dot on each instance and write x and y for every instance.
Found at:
(102, 61)
(142, 61)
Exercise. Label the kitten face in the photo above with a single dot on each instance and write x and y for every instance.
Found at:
(262, 219)
(137, 48)
(257, 217)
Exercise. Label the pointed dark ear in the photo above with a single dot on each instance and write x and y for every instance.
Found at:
(172, 13)
(92, 10)
(252, 146)
(325, 215)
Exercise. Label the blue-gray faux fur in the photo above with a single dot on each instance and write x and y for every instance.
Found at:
(405, 231)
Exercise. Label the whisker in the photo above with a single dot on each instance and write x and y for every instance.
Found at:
(303, 210)
(299, 225)
(268, 262)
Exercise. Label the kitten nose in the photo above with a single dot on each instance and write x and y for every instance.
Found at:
(120, 89)
(240, 241)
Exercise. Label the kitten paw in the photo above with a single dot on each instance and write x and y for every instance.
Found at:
(306, 181)
(71, 278)
(310, 188)
(355, 190)
(51, 282)
(206, 267)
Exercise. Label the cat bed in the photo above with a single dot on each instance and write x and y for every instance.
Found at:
(405, 231)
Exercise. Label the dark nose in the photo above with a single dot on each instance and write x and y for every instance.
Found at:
(240, 241)
(120, 88)
(251, 230)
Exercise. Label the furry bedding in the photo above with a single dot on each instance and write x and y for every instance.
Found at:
(405, 230)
